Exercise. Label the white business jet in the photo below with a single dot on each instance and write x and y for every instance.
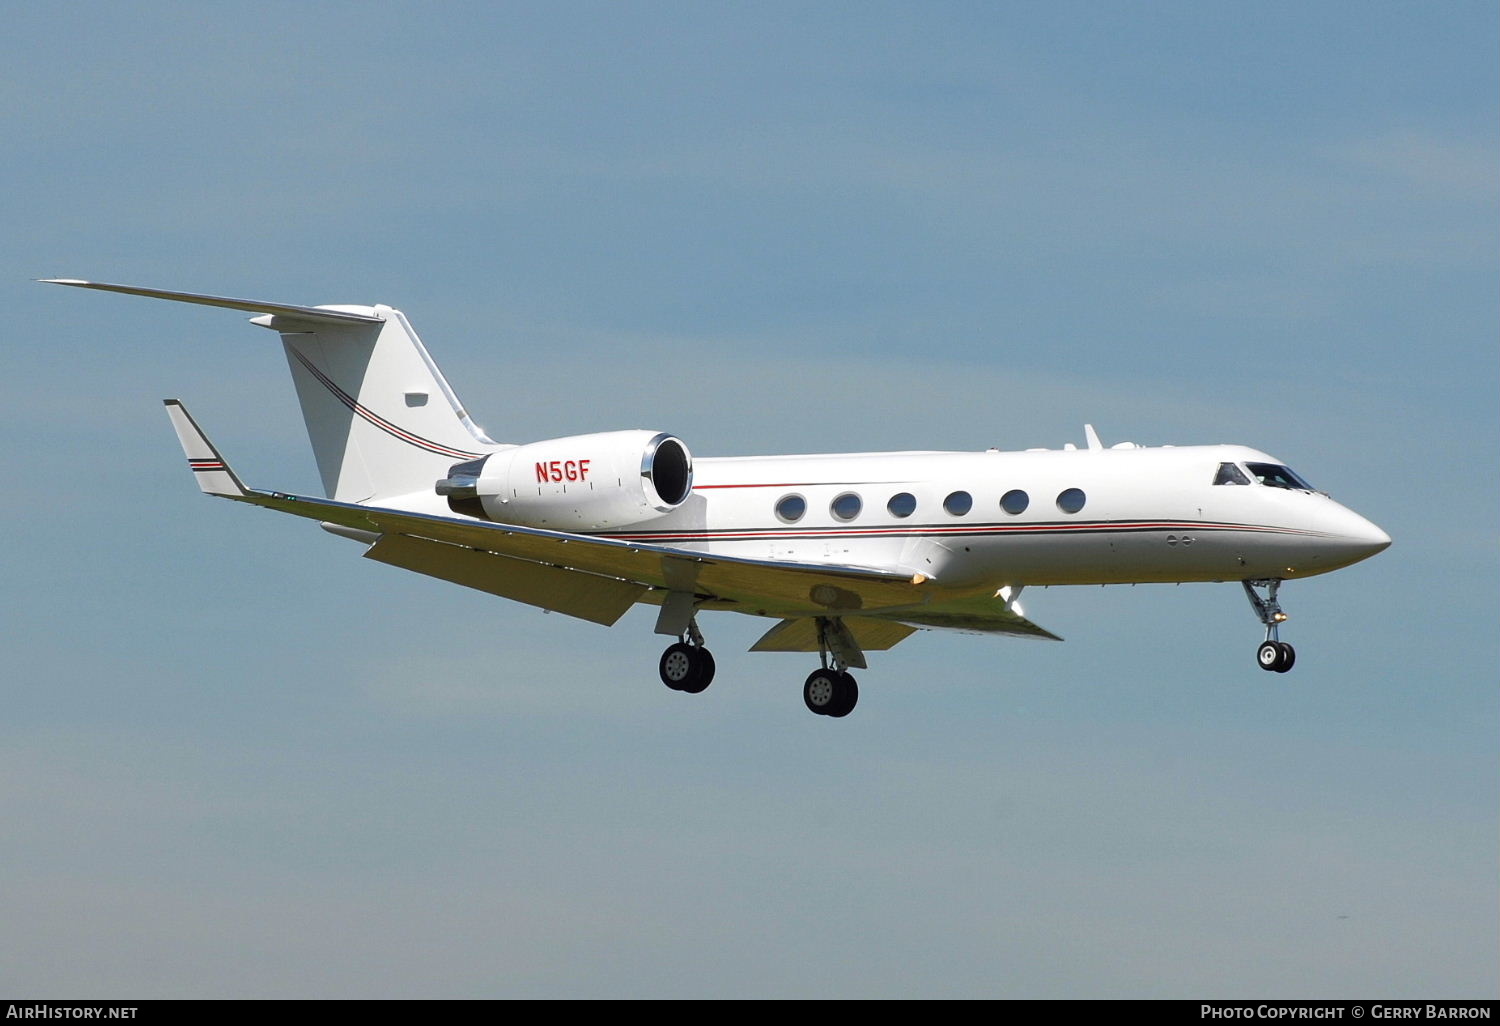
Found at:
(849, 553)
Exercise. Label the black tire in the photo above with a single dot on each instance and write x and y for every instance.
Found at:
(820, 693)
(847, 696)
(1288, 656)
(705, 675)
(1268, 656)
(680, 667)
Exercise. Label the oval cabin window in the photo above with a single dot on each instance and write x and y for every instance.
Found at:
(846, 506)
(789, 508)
(902, 506)
(1015, 501)
(958, 503)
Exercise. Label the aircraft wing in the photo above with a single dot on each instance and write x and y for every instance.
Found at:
(599, 578)
(752, 585)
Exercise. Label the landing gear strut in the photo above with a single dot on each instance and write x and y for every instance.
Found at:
(1273, 654)
(830, 691)
(687, 665)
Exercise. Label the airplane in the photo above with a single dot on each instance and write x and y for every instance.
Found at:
(849, 553)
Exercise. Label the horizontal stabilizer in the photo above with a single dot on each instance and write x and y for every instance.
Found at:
(213, 474)
(314, 314)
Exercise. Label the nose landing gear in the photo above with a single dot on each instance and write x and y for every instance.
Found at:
(1273, 654)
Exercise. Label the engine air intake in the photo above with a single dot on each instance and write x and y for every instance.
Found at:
(669, 468)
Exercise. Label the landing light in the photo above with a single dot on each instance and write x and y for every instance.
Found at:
(1279, 617)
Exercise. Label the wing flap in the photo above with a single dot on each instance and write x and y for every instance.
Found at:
(602, 600)
(801, 635)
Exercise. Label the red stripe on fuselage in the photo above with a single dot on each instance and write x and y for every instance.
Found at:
(1096, 526)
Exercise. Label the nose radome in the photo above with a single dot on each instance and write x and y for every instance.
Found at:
(1361, 538)
(1376, 539)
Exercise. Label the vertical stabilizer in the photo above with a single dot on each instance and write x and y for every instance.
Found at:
(382, 420)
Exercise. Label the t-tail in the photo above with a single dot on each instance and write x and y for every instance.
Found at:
(382, 419)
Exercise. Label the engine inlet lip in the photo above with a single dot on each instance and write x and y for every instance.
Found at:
(666, 503)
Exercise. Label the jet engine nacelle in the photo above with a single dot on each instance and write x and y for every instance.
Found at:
(589, 482)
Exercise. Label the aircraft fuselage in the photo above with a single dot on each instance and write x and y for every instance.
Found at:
(1083, 516)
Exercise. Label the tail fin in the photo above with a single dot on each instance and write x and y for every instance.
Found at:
(382, 420)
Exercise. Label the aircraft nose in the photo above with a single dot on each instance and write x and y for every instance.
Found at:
(1359, 538)
(1378, 540)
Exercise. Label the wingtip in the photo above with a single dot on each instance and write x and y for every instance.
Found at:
(213, 474)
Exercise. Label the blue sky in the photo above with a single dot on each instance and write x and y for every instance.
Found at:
(237, 760)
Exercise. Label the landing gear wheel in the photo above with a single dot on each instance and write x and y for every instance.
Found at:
(1276, 655)
(676, 666)
(846, 696)
(820, 692)
(684, 667)
(705, 672)
(830, 693)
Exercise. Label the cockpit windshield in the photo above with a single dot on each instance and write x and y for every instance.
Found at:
(1229, 474)
(1277, 476)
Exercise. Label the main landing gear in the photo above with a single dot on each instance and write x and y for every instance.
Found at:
(687, 665)
(830, 691)
(1273, 654)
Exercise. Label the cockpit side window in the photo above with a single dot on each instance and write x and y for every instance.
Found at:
(1277, 476)
(1229, 474)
